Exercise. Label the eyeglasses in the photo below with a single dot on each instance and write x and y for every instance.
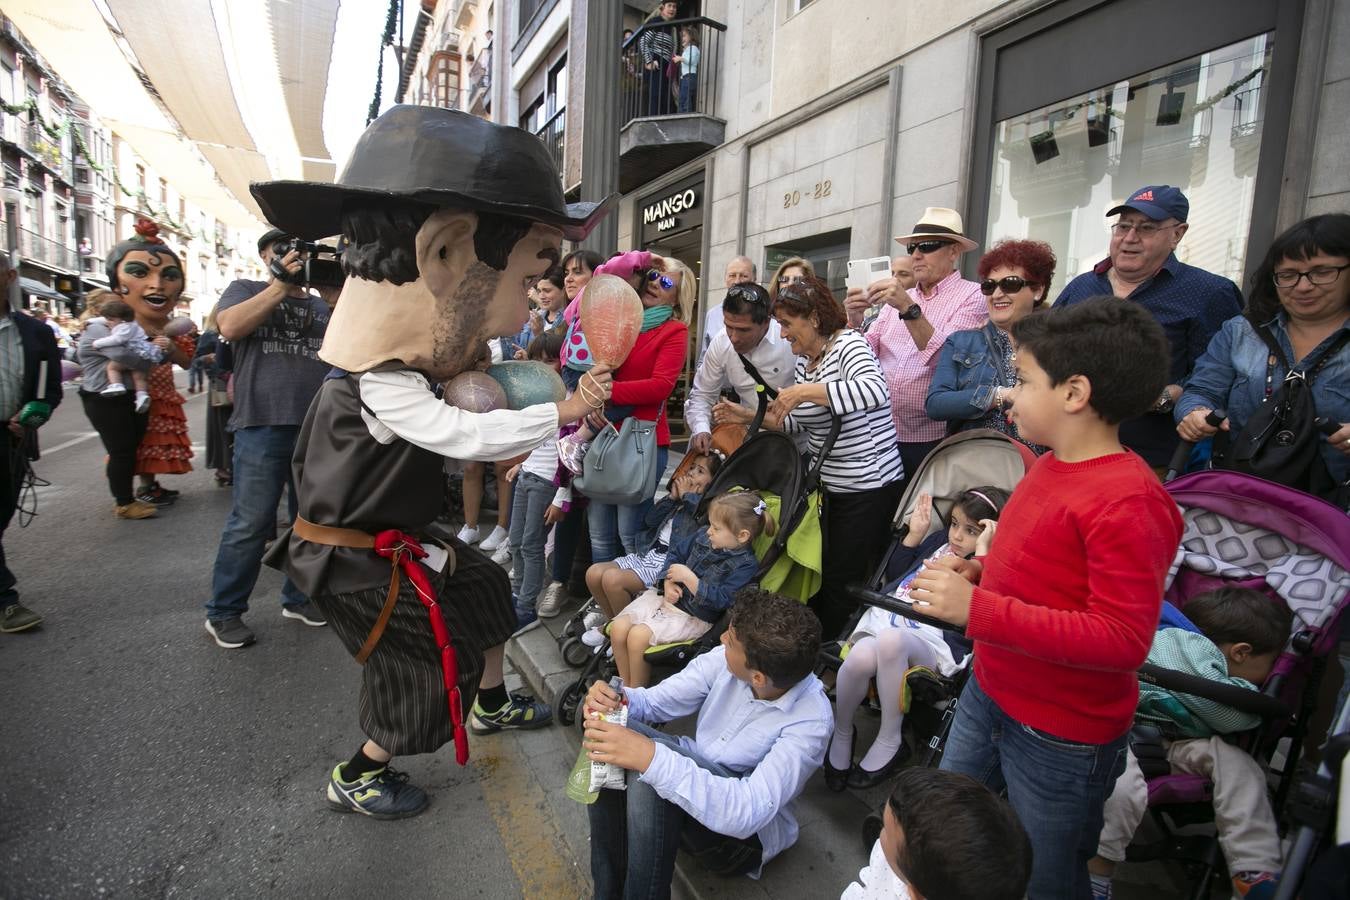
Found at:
(1287, 278)
(1009, 284)
(665, 280)
(785, 279)
(1145, 230)
(926, 246)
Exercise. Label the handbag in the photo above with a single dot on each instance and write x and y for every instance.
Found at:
(1281, 441)
(219, 394)
(620, 466)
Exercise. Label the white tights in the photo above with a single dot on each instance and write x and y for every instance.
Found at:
(885, 657)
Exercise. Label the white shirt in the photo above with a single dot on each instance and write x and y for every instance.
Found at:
(877, 880)
(777, 745)
(721, 368)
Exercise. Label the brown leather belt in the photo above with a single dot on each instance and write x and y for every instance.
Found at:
(360, 540)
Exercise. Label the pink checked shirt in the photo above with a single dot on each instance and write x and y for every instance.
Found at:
(955, 305)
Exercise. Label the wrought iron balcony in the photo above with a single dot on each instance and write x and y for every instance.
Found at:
(33, 247)
(552, 134)
(667, 108)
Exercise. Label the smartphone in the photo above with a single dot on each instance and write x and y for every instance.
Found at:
(863, 272)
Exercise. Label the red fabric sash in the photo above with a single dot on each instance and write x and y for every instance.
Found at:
(405, 551)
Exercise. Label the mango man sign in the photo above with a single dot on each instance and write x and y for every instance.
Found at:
(677, 208)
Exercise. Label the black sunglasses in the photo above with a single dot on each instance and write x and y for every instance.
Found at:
(1009, 284)
(926, 246)
(758, 297)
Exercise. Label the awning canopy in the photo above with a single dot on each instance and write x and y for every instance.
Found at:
(227, 92)
(37, 288)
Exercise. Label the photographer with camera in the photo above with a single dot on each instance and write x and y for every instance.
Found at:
(275, 329)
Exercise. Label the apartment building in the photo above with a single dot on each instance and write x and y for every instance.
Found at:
(821, 128)
(72, 189)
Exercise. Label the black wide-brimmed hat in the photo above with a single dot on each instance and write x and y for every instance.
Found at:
(440, 157)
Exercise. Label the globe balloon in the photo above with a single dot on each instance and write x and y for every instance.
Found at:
(528, 382)
(475, 391)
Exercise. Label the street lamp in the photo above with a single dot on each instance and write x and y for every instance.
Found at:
(13, 198)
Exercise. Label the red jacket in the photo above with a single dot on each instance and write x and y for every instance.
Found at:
(1071, 592)
(647, 377)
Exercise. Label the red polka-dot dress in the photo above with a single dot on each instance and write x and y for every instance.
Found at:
(166, 448)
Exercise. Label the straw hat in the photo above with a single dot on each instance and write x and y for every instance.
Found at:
(938, 222)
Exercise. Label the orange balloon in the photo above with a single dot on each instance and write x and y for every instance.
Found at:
(611, 317)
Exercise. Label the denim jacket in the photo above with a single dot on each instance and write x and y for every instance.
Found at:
(962, 389)
(667, 507)
(1232, 376)
(721, 573)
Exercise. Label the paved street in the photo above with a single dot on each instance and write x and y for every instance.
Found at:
(144, 761)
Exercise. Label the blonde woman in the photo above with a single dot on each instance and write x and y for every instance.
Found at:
(643, 385)
(792, 269)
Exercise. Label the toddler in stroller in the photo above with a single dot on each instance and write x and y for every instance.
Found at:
(1239, 633)
(702, 574)
(886, 646)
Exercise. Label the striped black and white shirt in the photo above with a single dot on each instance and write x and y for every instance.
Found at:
(865, 455)
(657, 45)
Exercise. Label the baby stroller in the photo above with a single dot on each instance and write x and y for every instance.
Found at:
(770, 464)
(975, 457)
(1245, 531)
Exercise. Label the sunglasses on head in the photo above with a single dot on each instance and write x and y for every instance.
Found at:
(790, 279)
(1010, 284)
(926, 246)
(749, 294)
(665, 280)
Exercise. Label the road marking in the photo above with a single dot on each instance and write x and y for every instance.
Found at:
(47, 451)
(531, 835)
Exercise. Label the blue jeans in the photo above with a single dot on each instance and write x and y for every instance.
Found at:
(1056, 787)
(688, 92)
(635, 835)
(531, 496)
(262, 471)
(615, 529)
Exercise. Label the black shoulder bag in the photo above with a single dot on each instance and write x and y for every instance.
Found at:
(1281, 442)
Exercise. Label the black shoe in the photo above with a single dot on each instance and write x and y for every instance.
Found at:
(305, 612)
(861, 779)
(163, 490)
(156, 496)
(837, 779)
(230, 633)
(383, 794)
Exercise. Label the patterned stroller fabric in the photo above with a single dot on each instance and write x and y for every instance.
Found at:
(1217, 546)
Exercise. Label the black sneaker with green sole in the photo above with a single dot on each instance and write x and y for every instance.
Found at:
(383, 794)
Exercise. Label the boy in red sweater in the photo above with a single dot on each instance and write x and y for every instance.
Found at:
(1064, 607)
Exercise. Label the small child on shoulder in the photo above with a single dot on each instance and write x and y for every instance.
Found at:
(124, 332)
(1241, 633)
(702, 575)
(1063, 609)
(885, 645)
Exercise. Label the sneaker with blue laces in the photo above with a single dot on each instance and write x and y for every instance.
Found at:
(382, 794)
(520, 712)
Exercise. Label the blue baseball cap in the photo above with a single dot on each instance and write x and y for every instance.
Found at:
(1158, 202)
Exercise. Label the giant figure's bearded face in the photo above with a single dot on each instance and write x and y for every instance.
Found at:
(439, 323)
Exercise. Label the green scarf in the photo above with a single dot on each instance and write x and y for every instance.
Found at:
(653, 316)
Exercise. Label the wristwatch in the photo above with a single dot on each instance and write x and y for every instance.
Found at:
(914, 312)
(1165, 402)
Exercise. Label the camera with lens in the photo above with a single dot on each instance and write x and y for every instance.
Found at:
(321, 264)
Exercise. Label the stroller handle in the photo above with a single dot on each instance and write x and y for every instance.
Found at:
(1254, 702)
(1183, 451)
(899, 607)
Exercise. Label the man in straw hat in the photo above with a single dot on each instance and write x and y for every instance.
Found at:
(913, 324)
(446, 218)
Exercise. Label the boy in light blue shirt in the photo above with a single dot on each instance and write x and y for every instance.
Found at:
(726, 795)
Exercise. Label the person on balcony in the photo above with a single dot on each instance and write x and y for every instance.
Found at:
(657, 49)
(688, 59)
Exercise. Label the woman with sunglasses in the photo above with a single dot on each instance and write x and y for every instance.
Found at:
(975, 367)
(1300, 296)
(790, 270)
(860, 477)
(644, 384)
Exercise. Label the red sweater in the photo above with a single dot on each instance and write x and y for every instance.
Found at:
(647, 377)
(1071, 594)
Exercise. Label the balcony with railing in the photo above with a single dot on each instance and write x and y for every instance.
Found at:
(35, 248)
(552, 134)
(667, 108)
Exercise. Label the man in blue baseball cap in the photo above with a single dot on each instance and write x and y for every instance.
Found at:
(1189, 303)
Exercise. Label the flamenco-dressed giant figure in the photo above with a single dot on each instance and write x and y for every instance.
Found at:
(447, 219)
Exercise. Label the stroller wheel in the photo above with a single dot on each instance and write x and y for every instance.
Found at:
(871, 830)
(566, 701)
(575, 653)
